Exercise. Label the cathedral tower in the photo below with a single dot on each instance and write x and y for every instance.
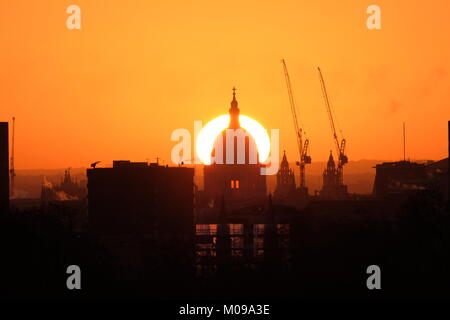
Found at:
(235, 172)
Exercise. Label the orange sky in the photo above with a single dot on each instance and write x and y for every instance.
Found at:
(137, 70)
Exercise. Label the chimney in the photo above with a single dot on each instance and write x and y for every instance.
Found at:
(4, 168)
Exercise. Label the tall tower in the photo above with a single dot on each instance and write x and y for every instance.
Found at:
(4, 168)
(332, 187)
(285, 181)
(233, 177)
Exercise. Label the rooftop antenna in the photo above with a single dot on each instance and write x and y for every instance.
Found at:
(404, 142)
(12, 171)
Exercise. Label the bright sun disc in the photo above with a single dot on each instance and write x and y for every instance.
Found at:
(209, 133)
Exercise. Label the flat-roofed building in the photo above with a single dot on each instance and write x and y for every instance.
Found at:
(141, 198)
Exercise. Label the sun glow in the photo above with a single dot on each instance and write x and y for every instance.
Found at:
(209, 133)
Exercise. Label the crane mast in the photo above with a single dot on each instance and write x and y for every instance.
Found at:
(340, 148)
(12, 172)
(302, 146)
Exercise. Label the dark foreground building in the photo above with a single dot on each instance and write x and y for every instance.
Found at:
(143, 216)
(4, 168)
(140, 198)
(397, 177)
(401, 177)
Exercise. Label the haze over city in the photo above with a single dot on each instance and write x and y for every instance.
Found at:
(137, 70)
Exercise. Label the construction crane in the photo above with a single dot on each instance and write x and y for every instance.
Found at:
(12, 172)
(302, 145)
(340, 147)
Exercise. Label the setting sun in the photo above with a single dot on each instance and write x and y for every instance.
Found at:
(209, 133)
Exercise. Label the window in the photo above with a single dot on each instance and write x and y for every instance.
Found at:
(236, 228)
(283, 229)
(234, 184)
(258, 229)
(205, 229)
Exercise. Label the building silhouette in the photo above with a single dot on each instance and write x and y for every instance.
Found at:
(68, 189)
(4, 168)
(285, 188)
(238, 182)
(398, 177)
(401, 177)
(437, 176)
(136, 198)
(332, 187)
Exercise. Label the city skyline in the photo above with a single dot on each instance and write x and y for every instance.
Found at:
(225, 158)
(118, 87)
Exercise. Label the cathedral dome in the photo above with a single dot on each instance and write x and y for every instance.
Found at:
(234, 145)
